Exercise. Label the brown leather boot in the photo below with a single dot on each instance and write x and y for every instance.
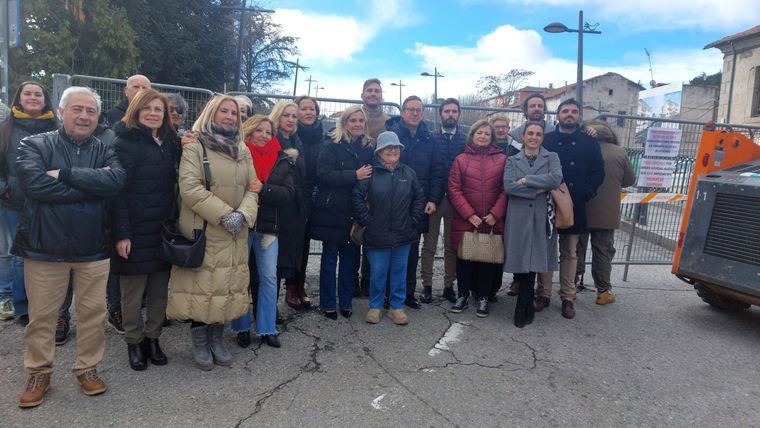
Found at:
(36, 387)
(91, 383)
(291, 297)
(305, 301)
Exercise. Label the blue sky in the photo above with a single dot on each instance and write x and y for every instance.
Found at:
(345, 42)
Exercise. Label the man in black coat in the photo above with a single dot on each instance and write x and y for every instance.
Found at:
(583, 172)
(68, 177)
(449, 142)
(419, 155)
(134, 84)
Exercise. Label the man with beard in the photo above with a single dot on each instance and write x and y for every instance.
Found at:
(534, 110)
(372, 95)
(583, 172)
(449, 142)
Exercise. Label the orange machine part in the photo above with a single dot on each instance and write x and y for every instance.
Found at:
(717, 150)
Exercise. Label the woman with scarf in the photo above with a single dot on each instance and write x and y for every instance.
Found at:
(284, 117)
(274, 185)
(145, 143)
(530, 240)
(342, 164)
(217, 291)
(312, 135)
(31, 113)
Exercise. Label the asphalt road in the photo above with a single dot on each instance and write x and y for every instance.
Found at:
(659, 356)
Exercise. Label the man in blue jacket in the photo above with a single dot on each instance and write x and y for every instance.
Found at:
(583, 172)
(418, 154)
(68, 177)
(449, 142)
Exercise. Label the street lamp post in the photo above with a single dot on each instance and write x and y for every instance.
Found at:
(316, 91)
(435, 77)
(558, 27)
(310, 80)
(400, 85)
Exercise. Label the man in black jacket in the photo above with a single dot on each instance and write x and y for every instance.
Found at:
(449, 142)
(68, 176)
(583, 172)
(419, 154)
(134, 85)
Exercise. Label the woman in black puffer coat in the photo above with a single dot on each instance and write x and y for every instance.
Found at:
(342, 163)
(311, 133)
(31, 113)
(145, 143)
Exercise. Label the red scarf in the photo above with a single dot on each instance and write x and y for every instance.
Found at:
(264, 157)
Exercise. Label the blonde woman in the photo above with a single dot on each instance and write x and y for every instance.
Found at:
(343, 162)
(291, 265)
(217, 291)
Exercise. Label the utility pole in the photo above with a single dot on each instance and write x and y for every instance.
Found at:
(297, 67)
(310, 80)
(241, 32)
(10, 20)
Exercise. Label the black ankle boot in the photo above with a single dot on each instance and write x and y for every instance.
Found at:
(137, 358)
(152, 350)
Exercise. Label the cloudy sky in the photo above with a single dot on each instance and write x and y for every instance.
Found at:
(343, 42)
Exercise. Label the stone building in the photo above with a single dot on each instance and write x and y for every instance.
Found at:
(740, 85)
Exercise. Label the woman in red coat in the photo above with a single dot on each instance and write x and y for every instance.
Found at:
(476, 191)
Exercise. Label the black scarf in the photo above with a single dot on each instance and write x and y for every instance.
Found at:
(223, 140)
(311, 134)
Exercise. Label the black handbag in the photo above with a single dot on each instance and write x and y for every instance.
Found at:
(175, 247)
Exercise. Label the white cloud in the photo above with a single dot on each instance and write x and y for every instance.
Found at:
(508, 47)
(327, 40)
(649, 14)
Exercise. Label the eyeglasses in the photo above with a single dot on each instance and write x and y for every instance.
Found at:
(176, 110)
(413, 110)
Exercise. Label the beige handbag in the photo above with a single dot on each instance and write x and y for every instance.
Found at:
(563, 207)
(481, 247)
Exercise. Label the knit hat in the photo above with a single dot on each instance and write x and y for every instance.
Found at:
(387, 139)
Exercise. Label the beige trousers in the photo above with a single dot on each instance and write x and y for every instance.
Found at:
(443, 212)
(567, 264)
(46, 285)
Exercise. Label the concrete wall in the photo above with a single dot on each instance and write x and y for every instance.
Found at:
(698, 103)
(747, 62)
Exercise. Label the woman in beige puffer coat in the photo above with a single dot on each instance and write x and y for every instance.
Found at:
(217, 291)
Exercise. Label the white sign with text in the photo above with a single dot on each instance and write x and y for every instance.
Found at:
(656, 172)
(663, 142)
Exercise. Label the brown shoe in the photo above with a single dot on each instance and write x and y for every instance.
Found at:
(305, 301)
(91, 383)
(36, 387)
(605, 298)
(514, 288)
(568, 310)
(291, 297)
(374, 315)
(540, 303)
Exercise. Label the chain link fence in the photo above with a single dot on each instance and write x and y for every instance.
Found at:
(649, 230)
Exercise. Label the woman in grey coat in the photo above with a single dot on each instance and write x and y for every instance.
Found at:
(530, 240)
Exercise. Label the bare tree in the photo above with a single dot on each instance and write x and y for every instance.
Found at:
(265, 50)
(503, 85)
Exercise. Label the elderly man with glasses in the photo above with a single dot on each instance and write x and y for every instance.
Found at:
(418, 153)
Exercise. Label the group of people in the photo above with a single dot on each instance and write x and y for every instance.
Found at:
(87, 201)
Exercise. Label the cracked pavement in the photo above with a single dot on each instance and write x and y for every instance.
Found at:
(658, 356)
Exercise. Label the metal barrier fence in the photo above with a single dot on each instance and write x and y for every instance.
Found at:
(649, 230)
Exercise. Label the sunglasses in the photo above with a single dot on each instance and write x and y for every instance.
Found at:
(176, 110)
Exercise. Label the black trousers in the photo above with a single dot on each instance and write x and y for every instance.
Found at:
(478, 277)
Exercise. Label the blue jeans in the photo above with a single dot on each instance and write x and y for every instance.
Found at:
(382, 261)
(347, 275)
(20, 302)
(266, 303)
(6, 272)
